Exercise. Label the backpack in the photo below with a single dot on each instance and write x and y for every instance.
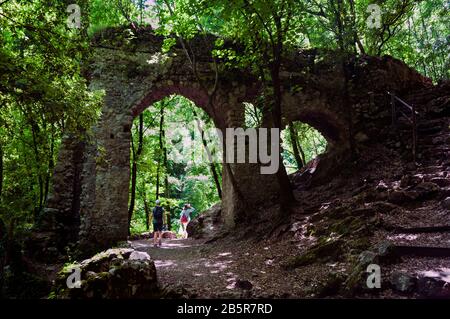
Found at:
(158, 214)
(184, 218)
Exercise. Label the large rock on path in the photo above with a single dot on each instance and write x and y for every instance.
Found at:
(119, 273)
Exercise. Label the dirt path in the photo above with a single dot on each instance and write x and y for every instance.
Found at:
(223, 269)
(181, 263)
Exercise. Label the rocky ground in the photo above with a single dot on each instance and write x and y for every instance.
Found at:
(383, 209)
(388, 211)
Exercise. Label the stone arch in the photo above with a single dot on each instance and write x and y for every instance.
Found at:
(326, 122)
(191, 92)
(134, 74)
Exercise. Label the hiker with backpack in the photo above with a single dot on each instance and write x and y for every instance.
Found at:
(185, 218)
(158, 221)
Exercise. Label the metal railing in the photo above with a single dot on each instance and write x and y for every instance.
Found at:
(400, 106)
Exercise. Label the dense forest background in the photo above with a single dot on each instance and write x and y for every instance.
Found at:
(43, 94)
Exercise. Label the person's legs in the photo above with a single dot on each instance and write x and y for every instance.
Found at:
(160, 238)
(185, 235)
(155, 236)
(185, 227)
(157, 231)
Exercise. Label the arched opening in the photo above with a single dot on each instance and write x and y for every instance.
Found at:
(301, 145)
(169, 162)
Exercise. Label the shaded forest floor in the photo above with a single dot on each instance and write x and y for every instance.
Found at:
(187, 268)
(381, 212)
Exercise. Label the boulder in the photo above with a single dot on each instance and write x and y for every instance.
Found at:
(387, 252)
(206, 224)
(446, 203)
(433, 287)
(149, 235)
(400, 197)
(322, 252)
(120, 273)
(402, 282)
(441, 181)
(427, 190)
(168, 235)
(146, 235)
(139, 255)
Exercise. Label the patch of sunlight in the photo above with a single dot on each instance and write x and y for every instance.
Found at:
(174, 244)
(405, 237)
(443, 274)
(165, 263)
(221, 265)
(231, 283)
(269, 262)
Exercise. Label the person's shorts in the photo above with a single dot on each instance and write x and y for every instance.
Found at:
(157, 226)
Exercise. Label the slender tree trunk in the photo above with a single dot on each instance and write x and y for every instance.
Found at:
(161, 146)
(348, 71)
(136, 155)
(295, 148)
(1, 171)
(356, 39)
(10, 242)
(34, 129)
(286, 195)
(212, 167)
(166, 178)
(147, 212)
(51, 166)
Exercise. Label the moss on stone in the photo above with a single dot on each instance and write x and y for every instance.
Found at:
(322, 252)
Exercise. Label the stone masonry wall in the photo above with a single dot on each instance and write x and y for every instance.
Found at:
(134, 74)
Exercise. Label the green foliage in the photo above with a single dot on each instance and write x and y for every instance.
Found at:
(188, 182)
(42, 95)
(310, 141)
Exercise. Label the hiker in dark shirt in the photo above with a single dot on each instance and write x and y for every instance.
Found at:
(158, 220)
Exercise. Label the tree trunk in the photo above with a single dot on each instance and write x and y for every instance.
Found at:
(147, 212)
(212, 167)
(295, 147)
(161, 146)
(286, 195)
(166, 178)
(34, 129)
(134, 169)
(1, 171)
(51, 166)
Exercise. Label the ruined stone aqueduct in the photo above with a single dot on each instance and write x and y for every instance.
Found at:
(89, 200)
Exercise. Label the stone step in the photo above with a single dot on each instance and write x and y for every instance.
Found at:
(430, 155)
(429, 130)
(441, 181)
(445, 192)
(432, 169)
(426, 150)
(421, 251)
(441, 139)
(421, 230)
(430, 122)
(431, 282)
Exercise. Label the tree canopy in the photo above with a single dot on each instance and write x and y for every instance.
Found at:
(43, 94)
